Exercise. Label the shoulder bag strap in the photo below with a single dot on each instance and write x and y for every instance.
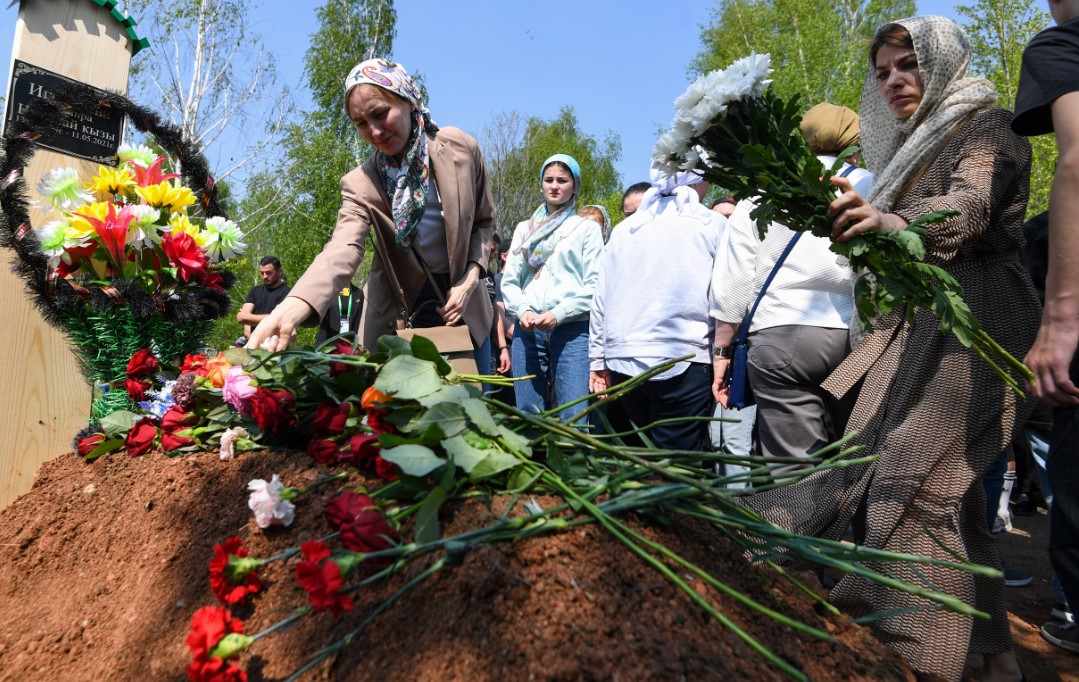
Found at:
(743, 331)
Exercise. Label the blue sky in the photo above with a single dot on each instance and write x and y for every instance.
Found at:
(619, 63)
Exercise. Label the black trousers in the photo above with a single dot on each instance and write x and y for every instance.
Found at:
(687, 395)
(1063, 469)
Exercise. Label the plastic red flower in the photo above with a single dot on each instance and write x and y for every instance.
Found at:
(330, 418)
(320, 577)
(185, 255)
(233, 581)
(142, 364)
(174, 421)
(272, 409)
(141, 436)
(209, 626)
(112, 233)
(195, 364)
(147, 177)
(322, 450)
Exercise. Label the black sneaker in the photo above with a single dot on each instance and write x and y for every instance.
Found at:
(1026, 506)
(1017, 577)
(1062, 612)
(1064, 636)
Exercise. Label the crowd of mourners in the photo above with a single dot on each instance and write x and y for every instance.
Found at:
(579, 307)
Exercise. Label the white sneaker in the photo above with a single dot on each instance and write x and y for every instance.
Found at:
(1002, 524)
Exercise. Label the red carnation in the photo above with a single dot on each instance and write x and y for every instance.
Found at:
(231, 584)
(185, 255)
(330, 418)
(320, 577)
(363, 449)
(386, 470)
(142, 364)
(87, 444)
(141, 436)
(322, 450)
(272, 409)
(174, 421)
(215, 670)
(209, 626)
(137, 388)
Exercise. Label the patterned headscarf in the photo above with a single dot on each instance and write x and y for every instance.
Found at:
(605, 226)
(895, 150)
(409, 189)
(543, 224)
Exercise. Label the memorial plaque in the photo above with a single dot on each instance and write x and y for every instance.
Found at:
(92, 135)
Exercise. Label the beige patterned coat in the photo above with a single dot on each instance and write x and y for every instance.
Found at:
(935, 413)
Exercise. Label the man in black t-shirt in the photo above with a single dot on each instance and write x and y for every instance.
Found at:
(1048, 102)
(262, 299)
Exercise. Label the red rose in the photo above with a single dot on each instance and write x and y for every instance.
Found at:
(231, 586)
(341, 347)
(176, 420)
(137, 388)
(330, 418)
(378, 424)
(87, 444)
(215, 670)
(320, 577)
(142, 364)
(141, 436)
(343, 509)
(368, 532)
(363, 449)
(185, 255)
(386, 470)
(272, 409)
(209, 626)
(322, 450)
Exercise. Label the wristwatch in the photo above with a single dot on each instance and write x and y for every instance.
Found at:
(726, 352)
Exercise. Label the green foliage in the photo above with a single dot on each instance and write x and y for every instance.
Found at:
(514, 148)
(818, 47)
(999, 30)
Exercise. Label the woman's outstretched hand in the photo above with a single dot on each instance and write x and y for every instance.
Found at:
(279, 327)
(854, 215)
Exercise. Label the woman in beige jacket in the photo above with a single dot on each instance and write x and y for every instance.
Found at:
(422, 194)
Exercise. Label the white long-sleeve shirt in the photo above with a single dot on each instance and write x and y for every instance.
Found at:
(811, 288)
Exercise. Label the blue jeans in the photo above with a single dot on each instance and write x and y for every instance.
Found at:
(557, 359)
(733, 438)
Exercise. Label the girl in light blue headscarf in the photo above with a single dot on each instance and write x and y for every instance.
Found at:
(547, 285)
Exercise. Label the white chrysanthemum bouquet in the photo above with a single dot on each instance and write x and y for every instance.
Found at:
(730, 127)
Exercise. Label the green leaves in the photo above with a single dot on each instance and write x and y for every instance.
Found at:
(408, 378)
(117, 424)
(414, 460)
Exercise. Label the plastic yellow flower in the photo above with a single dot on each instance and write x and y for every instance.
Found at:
(111, 181)
(179, 222)
(79, 228)
(166, 196)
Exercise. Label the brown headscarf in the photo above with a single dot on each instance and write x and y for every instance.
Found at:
(830, 129)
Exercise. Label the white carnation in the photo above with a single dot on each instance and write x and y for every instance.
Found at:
(228, 441)
(265, 501)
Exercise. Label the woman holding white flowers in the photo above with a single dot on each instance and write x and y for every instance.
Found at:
(422, 197)
(936, 414)
(548, 282)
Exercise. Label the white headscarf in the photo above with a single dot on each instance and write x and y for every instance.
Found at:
(668, 194)
(895, 150)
